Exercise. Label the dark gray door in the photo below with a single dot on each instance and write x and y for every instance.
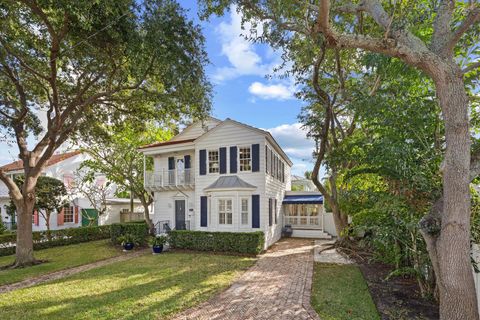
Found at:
(180, 215)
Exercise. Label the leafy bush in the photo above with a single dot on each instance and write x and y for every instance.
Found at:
(158, 240)
(2, 227)
(139, 230)
(57, 238)
(241, 242)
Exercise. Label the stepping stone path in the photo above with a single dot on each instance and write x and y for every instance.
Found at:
(68, 272)
(277, 287)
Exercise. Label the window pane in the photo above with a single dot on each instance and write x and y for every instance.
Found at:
(213, 166)
(68, 214)
(244, 212)
(245, 158)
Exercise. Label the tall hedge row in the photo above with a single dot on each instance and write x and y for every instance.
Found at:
(76, 235)
(239, 242)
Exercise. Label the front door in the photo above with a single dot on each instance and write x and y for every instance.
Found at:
(180, 215)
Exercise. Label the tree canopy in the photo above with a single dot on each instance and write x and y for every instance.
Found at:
(64, 65)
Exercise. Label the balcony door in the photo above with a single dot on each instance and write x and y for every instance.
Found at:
(180, 171)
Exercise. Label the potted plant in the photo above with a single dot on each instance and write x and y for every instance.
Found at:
(157, 243)
(128, 241)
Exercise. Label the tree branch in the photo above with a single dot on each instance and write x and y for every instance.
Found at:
(471, 67)
(441, 27)
(472, 18)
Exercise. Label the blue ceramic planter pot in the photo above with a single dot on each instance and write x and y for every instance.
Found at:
(157, 249)
(128, 246)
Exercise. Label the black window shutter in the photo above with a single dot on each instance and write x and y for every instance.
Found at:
(255, 211)
(276, 211)
(171, 163)
(223, 160)
(233, 159)
(203, 162)
(266, 159)
(203, 211)
(255, 157)
(271, 162)
(187, 161)
(270, 211)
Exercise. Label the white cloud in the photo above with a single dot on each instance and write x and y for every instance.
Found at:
(293, 140)
(271, 91)
(241, 53)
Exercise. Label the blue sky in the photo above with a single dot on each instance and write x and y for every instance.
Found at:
(238, 71)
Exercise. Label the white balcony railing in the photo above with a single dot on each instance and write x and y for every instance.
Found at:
(170, 178)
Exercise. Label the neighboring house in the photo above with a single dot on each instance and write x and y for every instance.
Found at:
(227, 176)
(302, 184)
(80, 211)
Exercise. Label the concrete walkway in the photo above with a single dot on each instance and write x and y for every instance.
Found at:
(330, 255)
(68, 272)
(277, 287)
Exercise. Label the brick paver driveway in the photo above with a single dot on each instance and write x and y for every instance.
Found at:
(277, 287)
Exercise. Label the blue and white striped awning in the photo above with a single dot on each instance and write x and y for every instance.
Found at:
(303, 199)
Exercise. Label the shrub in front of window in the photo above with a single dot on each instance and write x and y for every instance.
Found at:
(235, 242)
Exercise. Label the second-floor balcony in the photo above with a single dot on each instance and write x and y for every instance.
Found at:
(165, 179)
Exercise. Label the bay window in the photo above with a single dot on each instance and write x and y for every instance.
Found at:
(244, 211)
(225, 211)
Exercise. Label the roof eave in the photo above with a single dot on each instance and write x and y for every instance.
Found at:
(230, 189)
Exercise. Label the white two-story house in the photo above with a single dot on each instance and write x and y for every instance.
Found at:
(222, 176)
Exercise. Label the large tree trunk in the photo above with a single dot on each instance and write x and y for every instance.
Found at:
(47, 224)
(146, 215)
(452, 247)
(340, 220)
(24, 247)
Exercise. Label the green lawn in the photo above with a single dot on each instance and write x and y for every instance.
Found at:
(59, 258)
(147, 287)
(340, 292)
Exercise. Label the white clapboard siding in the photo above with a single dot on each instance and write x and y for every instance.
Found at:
(274, 188)
(226, 134)
(196, 129)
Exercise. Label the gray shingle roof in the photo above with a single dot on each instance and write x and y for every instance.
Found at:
(230, 182)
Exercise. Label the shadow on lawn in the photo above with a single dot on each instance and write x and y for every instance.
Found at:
(144, 288)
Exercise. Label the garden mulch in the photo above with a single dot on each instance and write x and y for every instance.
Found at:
(398, 297)
(68, 272)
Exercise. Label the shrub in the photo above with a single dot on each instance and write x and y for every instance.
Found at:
(57, 238)
(240, 242)
(139, 230)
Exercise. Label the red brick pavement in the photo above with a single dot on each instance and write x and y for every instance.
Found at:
(277, 287)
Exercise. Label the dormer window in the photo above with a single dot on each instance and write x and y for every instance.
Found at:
(213, 166)
(245, 157)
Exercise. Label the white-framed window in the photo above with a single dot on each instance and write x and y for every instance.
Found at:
(244, 211)
(213, 165)
(67, 214)
(245, 158)
(225, 215)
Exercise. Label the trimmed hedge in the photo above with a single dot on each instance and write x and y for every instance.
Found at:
(139, 229)
(57, 238)
(240, 242)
